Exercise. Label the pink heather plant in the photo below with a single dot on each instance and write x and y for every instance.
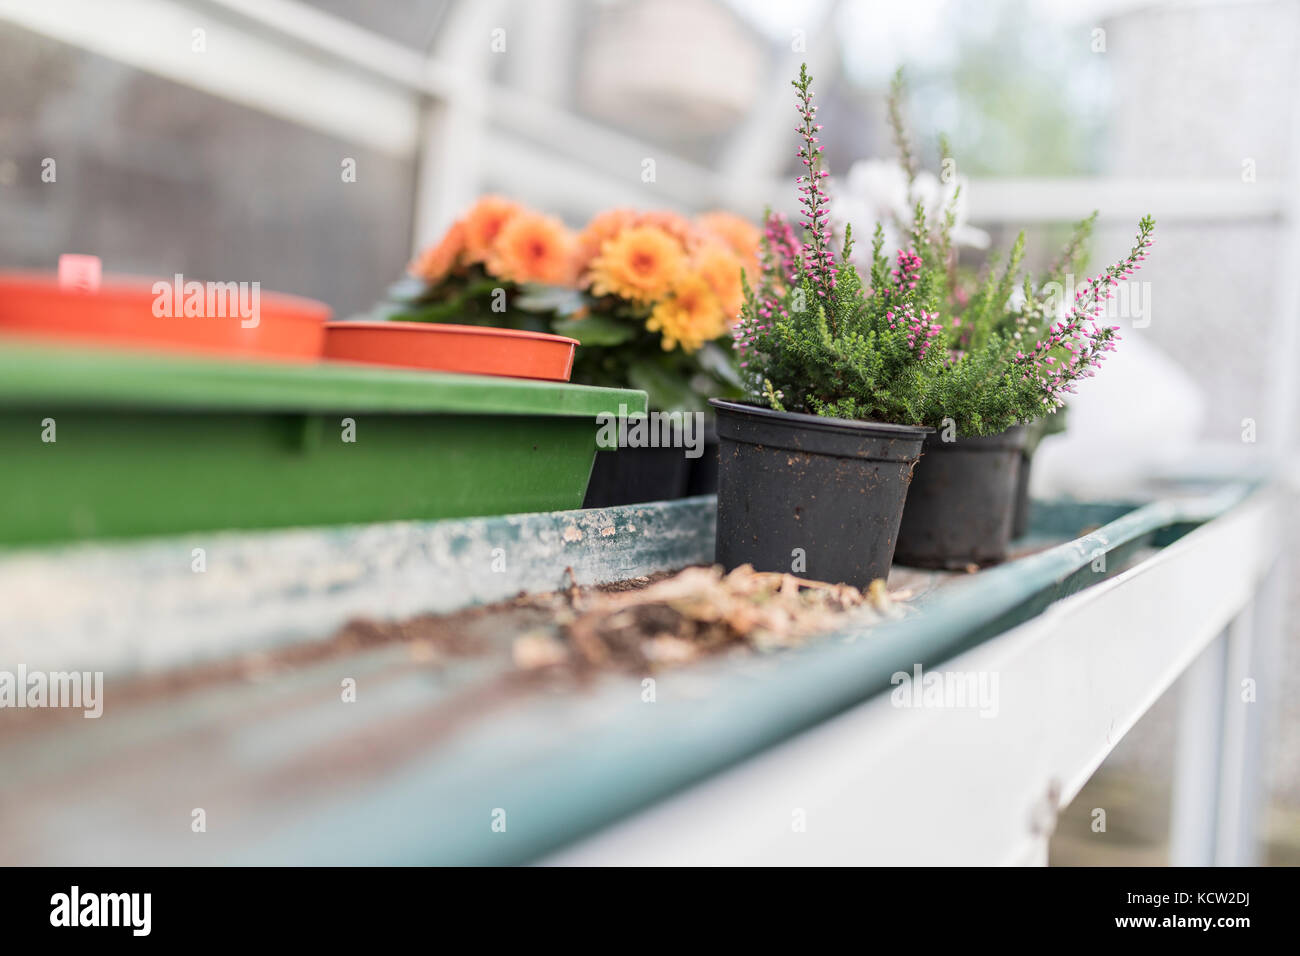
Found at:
(816, 205)
(812, 336)
(904, 347)
(1084, 348)
(787, 249)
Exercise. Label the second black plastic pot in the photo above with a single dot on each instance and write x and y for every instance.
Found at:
(703, 479)
(961, 507)
(1020, 522)
(630, 476)
(818, 497)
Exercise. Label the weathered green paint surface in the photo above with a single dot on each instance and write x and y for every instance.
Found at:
(148, 445)
(128, 608)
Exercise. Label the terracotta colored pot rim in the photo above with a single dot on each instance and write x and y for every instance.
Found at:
(122, 284)
(124, 312)
(466, 349)
(485, 330)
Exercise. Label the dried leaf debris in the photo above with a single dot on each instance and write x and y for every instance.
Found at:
(697, 612)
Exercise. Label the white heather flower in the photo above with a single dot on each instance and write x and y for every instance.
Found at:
(875, 190)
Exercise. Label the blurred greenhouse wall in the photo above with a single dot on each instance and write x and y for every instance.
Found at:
(217, 142)
(157, 178)
(1226, 313)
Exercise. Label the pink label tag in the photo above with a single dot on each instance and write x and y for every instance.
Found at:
(79, 273)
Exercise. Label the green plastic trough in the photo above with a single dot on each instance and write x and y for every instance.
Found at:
(148, 444)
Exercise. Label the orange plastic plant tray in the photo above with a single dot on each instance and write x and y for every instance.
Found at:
(453, 348)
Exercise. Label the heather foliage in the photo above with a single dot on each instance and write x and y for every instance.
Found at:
(811, 338)
(908, 344)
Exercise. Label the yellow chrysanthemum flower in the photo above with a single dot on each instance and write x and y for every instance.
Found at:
(675, 224)
(641, 264)
(690, 317)
(602, 227)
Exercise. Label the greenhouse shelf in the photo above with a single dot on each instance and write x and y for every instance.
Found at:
(1079, 628)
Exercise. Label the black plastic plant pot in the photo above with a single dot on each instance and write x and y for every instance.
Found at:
(703, 479)
(631, 476)
(1020, 522)
(818, 497)
(962, 505)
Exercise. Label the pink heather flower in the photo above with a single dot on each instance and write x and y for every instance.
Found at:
(1086, 347)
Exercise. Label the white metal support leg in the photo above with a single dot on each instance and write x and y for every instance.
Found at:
(1266, 640)
(1196, 765)
(1218, 768)
(1235, 829)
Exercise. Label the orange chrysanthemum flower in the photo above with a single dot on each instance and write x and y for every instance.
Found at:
(604, 225)
(690, 317)
(484, 222)
(533, 248)
(436, 261)
(675, 224)
(742, 236)
(720, 268)
(641, 264)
